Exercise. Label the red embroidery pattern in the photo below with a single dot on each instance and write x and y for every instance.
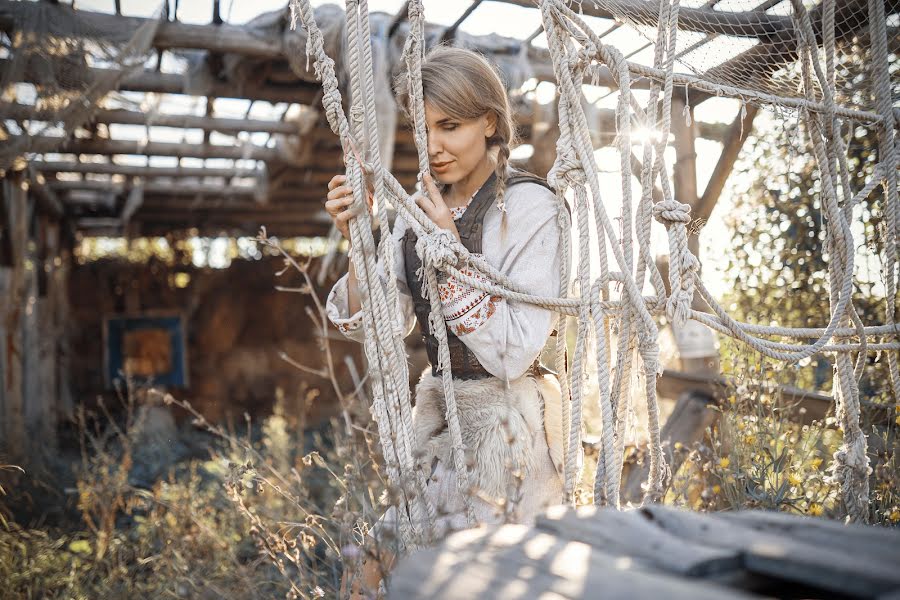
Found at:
(466, 308)
(349, 326)
(473, 321)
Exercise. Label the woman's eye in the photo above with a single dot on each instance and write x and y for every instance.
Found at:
(450, 126)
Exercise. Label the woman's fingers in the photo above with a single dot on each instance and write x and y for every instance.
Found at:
(336, 205)
(425, 204)
(340, 192)
(336, 181)
(433, 193)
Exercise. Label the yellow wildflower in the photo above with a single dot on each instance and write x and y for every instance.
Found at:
(717, 489)
(794, 478)
(750, 439)
(895, 515)
(815, 509)
(724, 462)
(897, 420)
(815, 463)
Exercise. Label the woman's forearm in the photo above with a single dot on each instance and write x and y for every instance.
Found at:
(353, 303)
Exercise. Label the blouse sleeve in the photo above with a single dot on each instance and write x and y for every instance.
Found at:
(507, 336)
(337, 304)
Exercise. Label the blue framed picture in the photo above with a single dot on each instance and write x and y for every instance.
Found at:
(149, 348)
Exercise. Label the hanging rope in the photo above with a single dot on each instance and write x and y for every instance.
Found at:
(611, 304)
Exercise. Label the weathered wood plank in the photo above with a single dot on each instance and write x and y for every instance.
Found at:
(514, 561)
(877, 542)
(693, 414)
(631, 533)
(828, 567)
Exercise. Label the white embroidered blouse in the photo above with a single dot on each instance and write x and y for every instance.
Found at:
(505, 336)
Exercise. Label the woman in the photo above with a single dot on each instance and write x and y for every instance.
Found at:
(509, 407)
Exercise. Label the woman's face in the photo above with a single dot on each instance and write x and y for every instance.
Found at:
(456, 147)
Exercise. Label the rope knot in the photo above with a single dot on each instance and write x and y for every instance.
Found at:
(670, 212)
(437, 249)
(566, 170)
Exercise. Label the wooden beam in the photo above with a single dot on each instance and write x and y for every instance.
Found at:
(128, 117)
(141, 171)
(811, 406)
(157, 187)
(684, 173)
(450, 32)
(44, 144)
(48, 202)
(398, 20)
(736, 24)
(738, 132)
(171, 34)
(170, 83)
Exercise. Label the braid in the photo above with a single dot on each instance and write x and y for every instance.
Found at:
(502, 162)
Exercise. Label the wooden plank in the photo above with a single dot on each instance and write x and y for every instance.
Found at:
(16, 16)
(141, 171)
(44, 144)
(514, 561)
(11, 110)
(630, 533)
(694, 412)
(173, 83)
(877, 542)
(829, 567)
(159, 187)
(705, 20)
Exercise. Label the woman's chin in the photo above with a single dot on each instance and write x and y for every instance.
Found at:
(446, 178)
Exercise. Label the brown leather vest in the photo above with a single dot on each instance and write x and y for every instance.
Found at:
(463, 362)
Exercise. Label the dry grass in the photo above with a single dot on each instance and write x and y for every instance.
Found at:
(276, 510)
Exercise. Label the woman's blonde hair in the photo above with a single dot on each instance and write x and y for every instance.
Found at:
(463, 85)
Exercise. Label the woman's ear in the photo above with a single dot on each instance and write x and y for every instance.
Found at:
(491, 127)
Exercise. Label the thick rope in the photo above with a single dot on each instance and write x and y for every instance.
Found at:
(613, 302)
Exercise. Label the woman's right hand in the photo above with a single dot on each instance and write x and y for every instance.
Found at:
(338, 204)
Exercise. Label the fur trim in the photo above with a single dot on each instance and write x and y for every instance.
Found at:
(498, 425)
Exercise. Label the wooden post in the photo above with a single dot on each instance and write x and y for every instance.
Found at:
(12, 286)
(685, 171)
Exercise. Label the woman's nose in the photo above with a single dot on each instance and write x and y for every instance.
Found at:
(434, 145)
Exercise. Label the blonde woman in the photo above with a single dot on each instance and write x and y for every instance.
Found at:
(509, 405)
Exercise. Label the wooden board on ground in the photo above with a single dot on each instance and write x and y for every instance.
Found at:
(656, 552)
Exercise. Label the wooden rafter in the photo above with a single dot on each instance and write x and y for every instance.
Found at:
(43, 144)
(170, 83)
(157, 187)
(764, 26)
(141, 171)
(126, 117)
(739, 131)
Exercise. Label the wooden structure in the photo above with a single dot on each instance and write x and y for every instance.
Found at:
(229, 175)
(656, 552)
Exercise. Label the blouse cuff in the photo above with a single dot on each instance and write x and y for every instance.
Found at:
(466, 308)
(336, 308)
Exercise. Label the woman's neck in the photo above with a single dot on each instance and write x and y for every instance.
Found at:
(462, 191)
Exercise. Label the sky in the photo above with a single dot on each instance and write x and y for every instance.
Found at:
(489, 17)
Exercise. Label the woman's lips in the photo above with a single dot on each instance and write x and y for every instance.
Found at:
(441, 167)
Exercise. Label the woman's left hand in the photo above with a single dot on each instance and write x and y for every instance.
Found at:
(433, 204)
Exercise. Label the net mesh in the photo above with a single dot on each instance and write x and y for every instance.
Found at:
(72, 64)
(753, 46)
